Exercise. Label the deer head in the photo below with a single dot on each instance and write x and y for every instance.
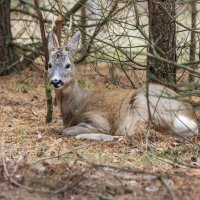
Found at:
(61, 60)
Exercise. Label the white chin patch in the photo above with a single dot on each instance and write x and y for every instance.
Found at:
(59, 87)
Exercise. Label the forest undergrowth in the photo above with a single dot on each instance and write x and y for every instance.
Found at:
(38, 163)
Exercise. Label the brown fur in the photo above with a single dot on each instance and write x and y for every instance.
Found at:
(118, 111)
(99, 114)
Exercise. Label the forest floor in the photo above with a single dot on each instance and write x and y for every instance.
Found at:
(38, 163)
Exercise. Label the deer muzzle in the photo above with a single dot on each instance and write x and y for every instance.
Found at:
(57, 83)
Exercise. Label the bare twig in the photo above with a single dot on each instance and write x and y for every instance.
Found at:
(169, 189)
(97, 30)
(59, 21)
(75, 8)
(42, 31)
(9, 177)
(46, 54)
(3, 154)
(72, 185)
(57, 156)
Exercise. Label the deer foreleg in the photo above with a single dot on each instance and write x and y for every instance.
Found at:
(82, 128)
(98, 137)
(84, 131)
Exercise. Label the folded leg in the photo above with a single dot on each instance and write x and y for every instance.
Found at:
(84, 131)
(82, 128)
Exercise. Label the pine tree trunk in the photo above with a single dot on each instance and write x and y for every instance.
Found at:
(194, 12)
(162, 36)
(7, 55)
(83, 23)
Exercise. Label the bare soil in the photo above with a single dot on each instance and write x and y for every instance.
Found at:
(41, 164)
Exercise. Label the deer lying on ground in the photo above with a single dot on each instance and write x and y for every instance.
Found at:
(107, 114)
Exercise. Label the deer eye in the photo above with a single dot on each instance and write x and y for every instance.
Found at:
(49, 66)
(67, 66)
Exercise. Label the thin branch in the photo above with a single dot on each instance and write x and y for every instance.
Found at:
(59, 21)
(42, 31)
(46, 55)
(75, 8)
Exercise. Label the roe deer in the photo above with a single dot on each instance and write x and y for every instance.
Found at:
(107, 114)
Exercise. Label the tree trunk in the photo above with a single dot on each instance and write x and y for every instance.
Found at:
(162, 41)
(7, 54)
(83, 23)
(193, 35)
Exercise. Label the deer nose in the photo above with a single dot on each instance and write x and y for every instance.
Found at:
(57, 83)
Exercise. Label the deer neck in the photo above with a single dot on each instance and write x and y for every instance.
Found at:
(72, 101)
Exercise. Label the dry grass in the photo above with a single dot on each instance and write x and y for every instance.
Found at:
(55, 167)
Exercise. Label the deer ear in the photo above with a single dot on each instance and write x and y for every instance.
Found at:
(74, 42)
(52, 41)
